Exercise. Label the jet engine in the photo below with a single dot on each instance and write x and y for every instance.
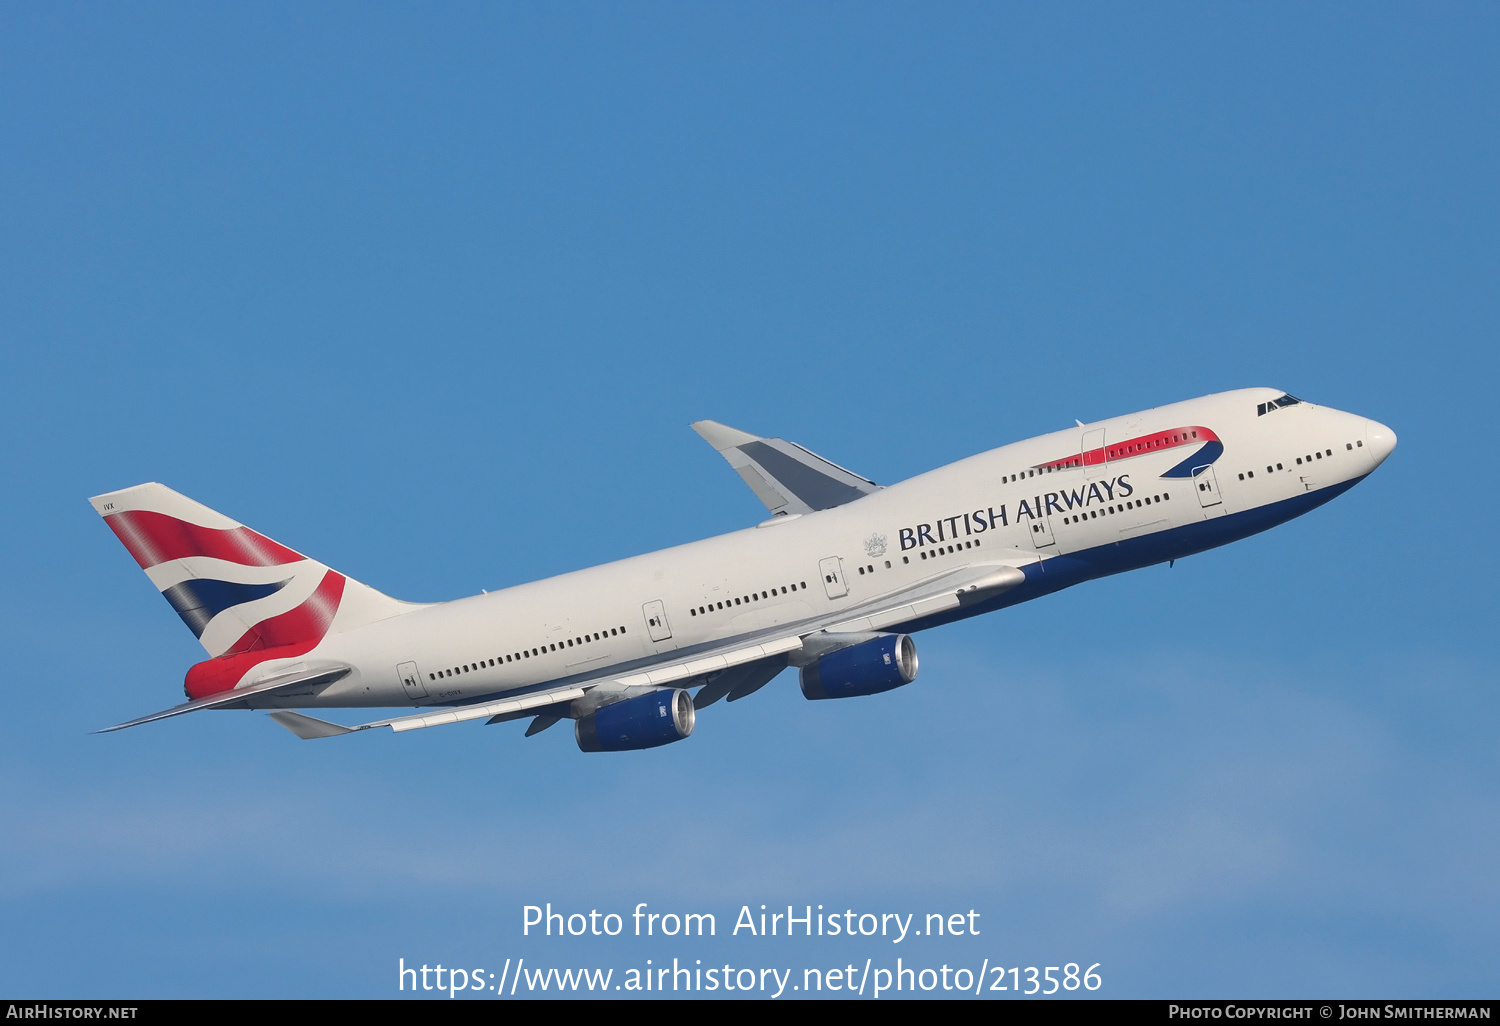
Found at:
(645, 721)
(888, 661)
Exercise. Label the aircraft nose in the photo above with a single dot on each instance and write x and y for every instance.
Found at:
(1380, 440)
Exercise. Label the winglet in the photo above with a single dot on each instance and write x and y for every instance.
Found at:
(722, 436)
(782, 474)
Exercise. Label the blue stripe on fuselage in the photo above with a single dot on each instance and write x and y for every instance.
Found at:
(1059, 572)
(1197, 461)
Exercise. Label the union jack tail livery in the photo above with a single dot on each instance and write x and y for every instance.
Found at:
(247, 598)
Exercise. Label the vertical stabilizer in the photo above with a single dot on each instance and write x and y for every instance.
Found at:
(239, 592)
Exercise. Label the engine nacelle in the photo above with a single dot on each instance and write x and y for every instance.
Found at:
(646, 721)
(868, 668)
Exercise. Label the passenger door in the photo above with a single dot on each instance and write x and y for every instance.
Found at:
(1041, 533)
(411, 680)
(832, 570)
(656, 620)
(1092, 441)
(1207, 487)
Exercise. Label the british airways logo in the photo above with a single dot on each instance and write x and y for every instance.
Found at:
(962, 525)
(948, 528)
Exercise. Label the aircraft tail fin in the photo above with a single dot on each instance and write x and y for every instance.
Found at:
(246, 598)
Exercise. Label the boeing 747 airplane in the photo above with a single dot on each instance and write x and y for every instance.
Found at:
(834, 582)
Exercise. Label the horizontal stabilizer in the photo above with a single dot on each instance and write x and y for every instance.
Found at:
(234, 696)
(782, 474)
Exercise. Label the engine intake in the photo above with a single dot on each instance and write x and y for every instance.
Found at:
(865, 669)
(646, 721)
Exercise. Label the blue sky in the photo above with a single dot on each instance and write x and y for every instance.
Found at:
(433, 294)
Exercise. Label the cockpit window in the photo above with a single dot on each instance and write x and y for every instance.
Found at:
(1275, 404)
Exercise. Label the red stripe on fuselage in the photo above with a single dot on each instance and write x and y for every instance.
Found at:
(154, 538)
(293, 633)
(1138, 446)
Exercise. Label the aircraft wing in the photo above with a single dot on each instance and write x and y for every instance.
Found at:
(782, 474)
(669, 671)
(734, 668)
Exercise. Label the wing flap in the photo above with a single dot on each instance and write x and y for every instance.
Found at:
(964, 587)
(477, 712)
(708, 664)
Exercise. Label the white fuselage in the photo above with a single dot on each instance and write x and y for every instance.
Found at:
(1018, 505)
